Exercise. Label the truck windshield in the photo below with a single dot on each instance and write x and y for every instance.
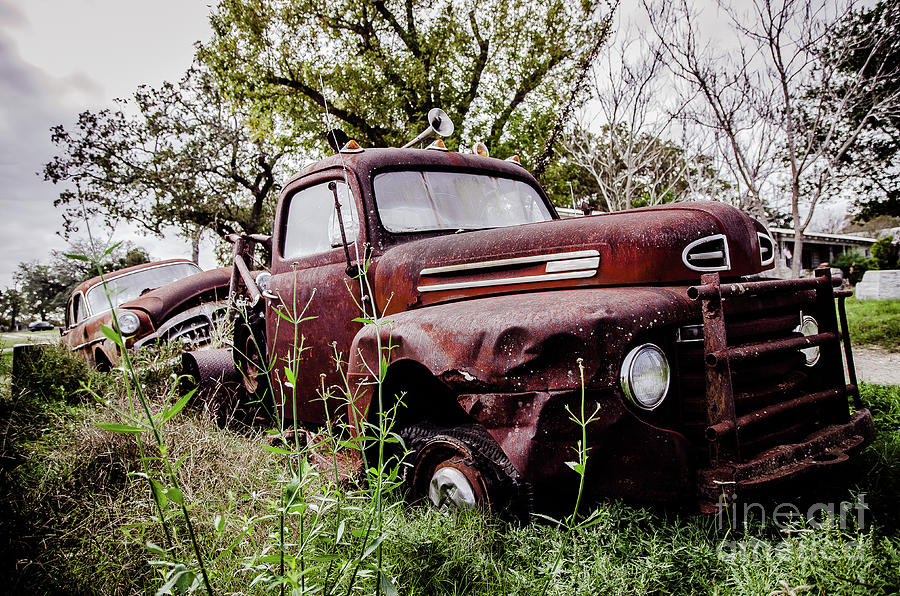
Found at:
(422, 201)
(131, 285)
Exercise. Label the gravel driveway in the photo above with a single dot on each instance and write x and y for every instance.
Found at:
(877, 365)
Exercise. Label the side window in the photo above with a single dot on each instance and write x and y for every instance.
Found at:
(312, 221)
(78, 312)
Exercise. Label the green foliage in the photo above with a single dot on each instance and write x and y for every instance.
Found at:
(51, 372)
(189, 157)
(885, 253)
(77, 515)
(557, 178)
(499, 69)
(880, 465)
(853, 265)
(875, 322)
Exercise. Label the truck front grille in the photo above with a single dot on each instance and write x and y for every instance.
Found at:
(748, 389)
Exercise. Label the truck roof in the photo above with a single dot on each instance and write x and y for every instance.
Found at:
(371, 160)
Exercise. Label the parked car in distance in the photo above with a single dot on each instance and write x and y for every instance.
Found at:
(40, 326)
(171, 300)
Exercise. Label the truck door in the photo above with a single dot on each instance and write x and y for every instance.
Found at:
(309, 277)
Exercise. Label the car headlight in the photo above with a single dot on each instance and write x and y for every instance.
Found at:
(645, 376)
(809, 326)
(128, 322)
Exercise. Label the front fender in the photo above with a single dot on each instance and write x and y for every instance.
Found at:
(520, 342)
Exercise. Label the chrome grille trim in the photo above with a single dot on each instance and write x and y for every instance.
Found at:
(505, 281)
(559, 256)
(766, 239)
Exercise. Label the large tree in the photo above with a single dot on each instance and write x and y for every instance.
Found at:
(635, 169)
(11, 303)
(627, 138)
(501, 70)
(873, 163)
(183, 154)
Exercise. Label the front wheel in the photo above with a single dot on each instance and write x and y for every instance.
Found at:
(463, 468)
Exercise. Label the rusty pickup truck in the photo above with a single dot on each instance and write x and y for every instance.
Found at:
(162, 301)
(486, 307)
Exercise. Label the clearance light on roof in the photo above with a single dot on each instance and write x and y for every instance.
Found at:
(514, 159)
(480, 149)
(438, 145)
(351, 147)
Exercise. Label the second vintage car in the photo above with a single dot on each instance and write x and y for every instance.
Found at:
(171, 300)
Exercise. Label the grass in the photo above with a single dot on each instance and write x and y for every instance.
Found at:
(875, 322)
(11, 338)
(79, 516)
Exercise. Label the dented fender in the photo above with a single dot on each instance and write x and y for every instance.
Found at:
(523, 342)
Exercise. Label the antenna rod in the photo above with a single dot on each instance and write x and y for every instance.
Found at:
(332, 186)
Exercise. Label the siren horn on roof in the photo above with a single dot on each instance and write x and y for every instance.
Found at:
(439, 124)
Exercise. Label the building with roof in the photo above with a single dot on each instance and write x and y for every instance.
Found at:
(818, 248)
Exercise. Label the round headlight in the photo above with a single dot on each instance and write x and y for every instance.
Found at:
(645, 376)
(128, 322)
(809, 326)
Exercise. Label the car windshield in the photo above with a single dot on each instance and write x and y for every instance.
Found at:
(421, 201)
(131, 285)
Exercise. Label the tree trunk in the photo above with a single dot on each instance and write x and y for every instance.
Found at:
(195, 247)
(797, 263)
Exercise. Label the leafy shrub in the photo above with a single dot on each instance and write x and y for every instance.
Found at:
(50, 372)
(884, 254)
(853, 265)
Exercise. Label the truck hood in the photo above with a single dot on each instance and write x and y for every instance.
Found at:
(655, 245)
(170, 299)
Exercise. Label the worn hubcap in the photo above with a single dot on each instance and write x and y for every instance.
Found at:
(450, 488)
(446, 474)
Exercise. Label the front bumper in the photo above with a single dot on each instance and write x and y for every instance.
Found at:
(826, 449)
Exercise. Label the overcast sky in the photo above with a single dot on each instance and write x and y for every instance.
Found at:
(58, 58)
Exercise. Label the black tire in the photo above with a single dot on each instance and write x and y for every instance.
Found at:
(499, 487)
(250, 355)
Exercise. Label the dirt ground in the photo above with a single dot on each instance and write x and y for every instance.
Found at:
(877, 365)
